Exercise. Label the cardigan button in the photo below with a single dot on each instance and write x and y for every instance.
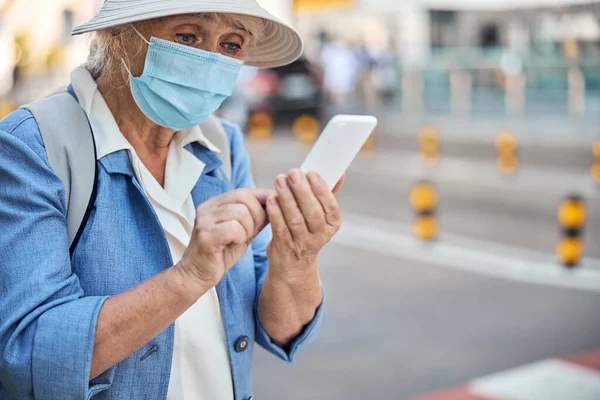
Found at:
(242, 344)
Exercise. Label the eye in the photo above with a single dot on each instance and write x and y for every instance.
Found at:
(231, 47)
(187, 38)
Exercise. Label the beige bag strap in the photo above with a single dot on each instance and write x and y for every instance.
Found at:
(71, 151)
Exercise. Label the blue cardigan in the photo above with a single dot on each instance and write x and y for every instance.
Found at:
(49, 300)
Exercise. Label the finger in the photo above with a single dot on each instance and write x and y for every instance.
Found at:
(262, 195)
(236, 196)
(327, 200)
(277, 220)
(339, 185)
(254, 199)
(289, 207)
(256, 205)
(307, 202)
(238, 212)
(258, 208)
(229, 232)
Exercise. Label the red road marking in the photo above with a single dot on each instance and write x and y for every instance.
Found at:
(461, 393)
(589, 360)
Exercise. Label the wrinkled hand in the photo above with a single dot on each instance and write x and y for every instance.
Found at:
(224, 228)
(304, 216)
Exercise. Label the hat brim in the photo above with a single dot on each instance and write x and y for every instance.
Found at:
(278, 45)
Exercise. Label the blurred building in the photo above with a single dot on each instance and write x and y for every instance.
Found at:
(36, 45)
(453, 52)
(281, 9)
(416, 26)
(381, 25)
(517, 26)
(550, 48)
(492, 38)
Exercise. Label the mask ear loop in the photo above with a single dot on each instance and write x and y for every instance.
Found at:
(126, 67)
(143, 38)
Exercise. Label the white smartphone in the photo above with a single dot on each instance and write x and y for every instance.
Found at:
(338, 145)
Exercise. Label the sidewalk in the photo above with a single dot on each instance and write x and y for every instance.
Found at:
(556, 142)
(547, 130)
(571, 378)
(551, 139)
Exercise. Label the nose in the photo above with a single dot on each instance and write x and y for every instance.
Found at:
(211, 45)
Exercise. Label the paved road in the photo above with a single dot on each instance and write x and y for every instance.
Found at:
(475, 199)
(408, 319)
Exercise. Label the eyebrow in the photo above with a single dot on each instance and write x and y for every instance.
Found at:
(244, 29)
(194, 18)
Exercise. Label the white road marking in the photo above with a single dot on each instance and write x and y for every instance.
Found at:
(453, 251)
(544, 380)
(465, 241)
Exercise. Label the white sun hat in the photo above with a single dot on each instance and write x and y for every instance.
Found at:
(279, 44)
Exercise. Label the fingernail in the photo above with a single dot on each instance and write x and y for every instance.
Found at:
(313, 178)
(273, 201)
(296, 176)
(282, 181)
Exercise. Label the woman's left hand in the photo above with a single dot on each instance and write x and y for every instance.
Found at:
(304, 216)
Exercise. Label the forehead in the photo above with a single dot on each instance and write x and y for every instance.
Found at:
(213, 21)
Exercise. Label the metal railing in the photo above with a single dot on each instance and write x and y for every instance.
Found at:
(464, 81)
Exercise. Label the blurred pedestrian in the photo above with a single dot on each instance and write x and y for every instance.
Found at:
(341, 71)
(173, 276)
(366, 65)
(385, 75)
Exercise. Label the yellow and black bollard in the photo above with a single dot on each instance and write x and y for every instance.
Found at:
(571, 217)
(260, 125)
(429, 146)
(507, 147)
(306, 128)
(595, 171)
(424, 199)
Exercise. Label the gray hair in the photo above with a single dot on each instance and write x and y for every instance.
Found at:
(107, 47)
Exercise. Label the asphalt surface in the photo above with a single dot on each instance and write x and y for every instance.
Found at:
(551, 138)
(397, 324)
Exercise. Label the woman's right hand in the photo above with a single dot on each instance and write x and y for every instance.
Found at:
(224, 228)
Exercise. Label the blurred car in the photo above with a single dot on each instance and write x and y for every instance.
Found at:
(283, 92)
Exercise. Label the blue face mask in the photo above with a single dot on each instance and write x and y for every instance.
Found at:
(181, 86)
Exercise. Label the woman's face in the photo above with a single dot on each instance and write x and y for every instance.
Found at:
(204, 33)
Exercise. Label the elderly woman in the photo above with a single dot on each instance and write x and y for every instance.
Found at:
(174, 276)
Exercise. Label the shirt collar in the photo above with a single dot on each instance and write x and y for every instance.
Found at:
(107, 134)
(195, 134)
